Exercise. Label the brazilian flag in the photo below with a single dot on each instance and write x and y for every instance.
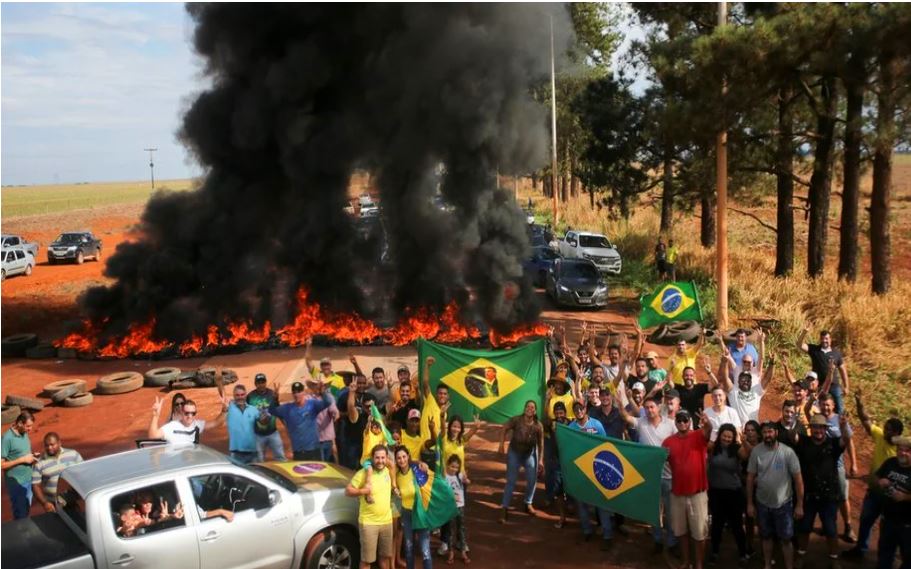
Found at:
(670, 302)
(434, 503)
(620, 476)
(375, 413)
(496, 383)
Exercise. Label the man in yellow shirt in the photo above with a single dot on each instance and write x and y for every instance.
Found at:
(670, 260)
(684, 357)
(375, 514)
(883, 448)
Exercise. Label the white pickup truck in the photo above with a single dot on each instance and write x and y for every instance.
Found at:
(594, 247)
(291, 515)
(13, 241)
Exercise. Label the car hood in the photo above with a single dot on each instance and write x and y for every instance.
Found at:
(62, 244)
(579, 284)
(600, 251)
(309, 476)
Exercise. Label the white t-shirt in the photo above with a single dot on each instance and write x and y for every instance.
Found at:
(654, 435)
(746, 403)
(176, 432)
(727, 415)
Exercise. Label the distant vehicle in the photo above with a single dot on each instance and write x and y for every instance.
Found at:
(541, 260)
(576, 282)
(17, 241)
(594, 247)
(284, 515)
(74, 246)
(368, 207)
(16, 261)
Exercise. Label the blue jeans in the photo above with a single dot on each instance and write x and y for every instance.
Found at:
(869, 513)
(775, 522)
(350, 455)
(893, 536)
(423, 537)
(325, 450)
(585, 520)
(20, 496)
(669, 539)
(272, 442)
(551, 467)
(514, 461)
(838, 395)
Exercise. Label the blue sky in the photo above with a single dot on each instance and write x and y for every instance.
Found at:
(85, 87)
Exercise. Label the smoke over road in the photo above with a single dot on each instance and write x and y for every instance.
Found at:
(303, 95)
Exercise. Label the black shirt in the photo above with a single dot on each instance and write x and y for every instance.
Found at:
(819, 467)
(899, 479)
(693, 400)
(354, 432)
(789, 436)
(401, 416)
(648, 383)
(820, 362)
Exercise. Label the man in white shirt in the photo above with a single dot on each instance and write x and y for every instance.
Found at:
(188, 429)
(719, 413)
(746, 397)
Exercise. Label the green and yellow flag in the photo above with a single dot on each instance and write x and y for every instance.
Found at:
(496, 383)
(670, 302)
(620, 476)
(434, 502)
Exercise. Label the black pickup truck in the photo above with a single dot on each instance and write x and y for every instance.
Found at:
(74, 246)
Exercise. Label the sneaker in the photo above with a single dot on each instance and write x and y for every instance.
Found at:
(849, 535)
(443, 550)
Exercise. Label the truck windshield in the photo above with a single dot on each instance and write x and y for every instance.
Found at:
(594, 241)
(70, 238)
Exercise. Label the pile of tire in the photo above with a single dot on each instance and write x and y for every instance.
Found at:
(670, 334)
(16, 345)
(173, 378)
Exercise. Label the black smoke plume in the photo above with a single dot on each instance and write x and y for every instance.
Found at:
(424, 97)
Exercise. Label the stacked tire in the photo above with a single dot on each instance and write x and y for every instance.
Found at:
(673, 332)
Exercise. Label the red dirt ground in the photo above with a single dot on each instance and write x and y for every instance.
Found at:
(40, 303)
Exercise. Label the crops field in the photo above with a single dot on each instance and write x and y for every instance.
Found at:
(20, 201)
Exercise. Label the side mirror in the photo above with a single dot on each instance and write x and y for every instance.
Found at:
(274, 498)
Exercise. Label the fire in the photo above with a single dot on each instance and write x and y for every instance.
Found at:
(310, 320)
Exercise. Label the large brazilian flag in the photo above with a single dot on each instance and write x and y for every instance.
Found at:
(496, 383)
(668, 303)
(434, 502)
(620, 476)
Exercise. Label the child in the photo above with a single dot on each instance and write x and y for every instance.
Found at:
(130, 521)
(458, 538)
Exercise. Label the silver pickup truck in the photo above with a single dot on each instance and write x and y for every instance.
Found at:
(288, 515)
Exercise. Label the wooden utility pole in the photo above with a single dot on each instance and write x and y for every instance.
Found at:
(151, 152)
(553, 126)
(721, 180)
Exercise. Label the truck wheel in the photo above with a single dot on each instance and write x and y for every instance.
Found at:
(335, 547)
(16, 344)
(10, 413)
(57, 386)
(161, 376)
(79, 258)
(28, 270)
(30, 403)
(78, 400)
(117, 383)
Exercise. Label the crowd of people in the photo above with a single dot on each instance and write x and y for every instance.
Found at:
(726, 469)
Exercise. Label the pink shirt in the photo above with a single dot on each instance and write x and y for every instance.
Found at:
(325, 423)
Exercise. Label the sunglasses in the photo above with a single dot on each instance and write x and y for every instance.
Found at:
(190, 413)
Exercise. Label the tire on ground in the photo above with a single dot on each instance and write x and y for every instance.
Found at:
(161, 376)
(17, 344)
(117, 383)
(59, 396)
(334, 547)
(10, 413)
(78, 400)
(182, 384)
(41, 351)
(687, 331)
(30, 403)
(205, 377)
(54, 387)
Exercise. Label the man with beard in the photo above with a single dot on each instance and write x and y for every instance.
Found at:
(47, 470)
(609, 417)
(894, 480)
(827, 410)
(819, 455)
(379, 388)
(550, 428)
(375, 511)
(682, 358)
(641, 375)
(692, 394)
(397, 411)
(774, 494)
(746, 398)
(822, 357)
(806, 407)
(355, 421)
(883, 449)
(790, 427)
(739, 348)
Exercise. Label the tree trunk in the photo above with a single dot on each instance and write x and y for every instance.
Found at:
(591, 195)
(564, 186)
(821, 180)
(784, 172)
(880, 201)
(545, 185)
(707, 219)
(847, 251)
(573, 180)
(623, 198)
(534, 181)
(667, 194)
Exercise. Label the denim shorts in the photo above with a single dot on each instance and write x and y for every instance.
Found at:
(776, 522)
(827, 510)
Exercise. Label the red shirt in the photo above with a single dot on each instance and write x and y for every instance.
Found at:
(687, 457)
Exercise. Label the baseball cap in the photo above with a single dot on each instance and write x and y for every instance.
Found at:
(325, 361)
(297, 387)
(639, 386)
(259, 378)
(818, 421)
(804, 383)
(652, 355)
(812, 375)
(672, 393)
(682, 415)
(403, 367)
(414, 414)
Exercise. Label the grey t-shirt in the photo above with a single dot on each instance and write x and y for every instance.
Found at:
(724, 471)
(774, 469)
(381, 395)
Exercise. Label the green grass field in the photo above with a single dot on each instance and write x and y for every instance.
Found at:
(33, 200)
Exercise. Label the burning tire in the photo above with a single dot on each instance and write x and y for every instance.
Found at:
(182, 384)
(117, 383)
(41, 351)
(670, 334)
(30, 403)
(10, 413)
(17, 344)
(78, 400)
(205, 376)
(161, 376)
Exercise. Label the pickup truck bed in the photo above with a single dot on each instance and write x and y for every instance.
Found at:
(42, 541)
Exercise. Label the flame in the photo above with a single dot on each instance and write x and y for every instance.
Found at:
(310, 320)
